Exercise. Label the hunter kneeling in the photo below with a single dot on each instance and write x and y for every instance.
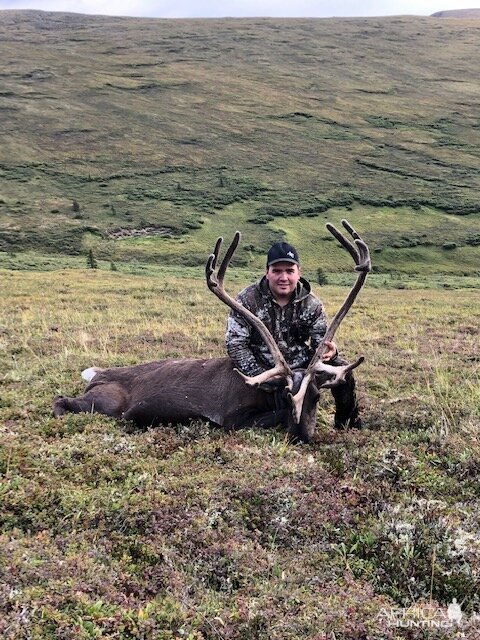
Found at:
(296, 318)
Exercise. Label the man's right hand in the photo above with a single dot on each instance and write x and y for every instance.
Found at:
(332, 351)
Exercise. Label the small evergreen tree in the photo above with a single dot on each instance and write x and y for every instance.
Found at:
(91, 262)
(113, 266)
(322, 277)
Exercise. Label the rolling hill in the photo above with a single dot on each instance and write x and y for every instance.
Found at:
(457, 13)
(143, 139)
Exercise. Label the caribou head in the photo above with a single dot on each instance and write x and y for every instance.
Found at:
(301, 386)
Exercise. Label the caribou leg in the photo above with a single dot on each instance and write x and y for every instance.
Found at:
(109, 399)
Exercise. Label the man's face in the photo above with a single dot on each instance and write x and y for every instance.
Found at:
(282, 279)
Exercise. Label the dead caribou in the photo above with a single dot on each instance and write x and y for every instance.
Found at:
(176, 391)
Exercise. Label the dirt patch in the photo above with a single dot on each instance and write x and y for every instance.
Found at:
(121, 234)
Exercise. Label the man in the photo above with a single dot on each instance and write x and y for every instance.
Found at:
(295, 317)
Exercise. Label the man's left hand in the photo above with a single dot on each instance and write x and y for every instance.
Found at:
(332, 351)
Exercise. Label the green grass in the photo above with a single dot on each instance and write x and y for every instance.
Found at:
(190, 126)
(186, 531)
(32, 260)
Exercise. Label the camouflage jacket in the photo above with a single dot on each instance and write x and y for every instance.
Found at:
(297, 328)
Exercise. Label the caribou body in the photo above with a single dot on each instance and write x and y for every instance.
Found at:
(176, 391)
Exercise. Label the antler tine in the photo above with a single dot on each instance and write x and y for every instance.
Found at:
(350, 229)
(228, 256)
(210, 265)
(216, 251)
(362, 258)
(337, 376)
(351, 248)
(215, 284)
(212, 283)
(216, 280)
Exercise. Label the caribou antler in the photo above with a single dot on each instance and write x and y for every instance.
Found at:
(215, 284)
(361, 256)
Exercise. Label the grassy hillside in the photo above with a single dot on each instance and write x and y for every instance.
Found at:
(143, 139)
(189, 532)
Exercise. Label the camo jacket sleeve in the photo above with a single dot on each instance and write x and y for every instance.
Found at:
(319, 325)
(238, 338)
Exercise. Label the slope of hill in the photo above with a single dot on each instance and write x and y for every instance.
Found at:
(145, 138)
(457, 13)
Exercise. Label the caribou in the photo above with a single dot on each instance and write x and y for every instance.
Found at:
(177, 391)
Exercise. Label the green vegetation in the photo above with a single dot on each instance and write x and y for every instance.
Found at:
(91, 260)
(190, 532)
(129, 146)
(141, 139)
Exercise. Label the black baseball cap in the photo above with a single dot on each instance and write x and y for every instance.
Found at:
(282, 252)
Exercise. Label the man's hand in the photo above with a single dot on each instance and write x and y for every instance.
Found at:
(332, 351)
